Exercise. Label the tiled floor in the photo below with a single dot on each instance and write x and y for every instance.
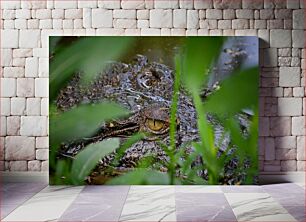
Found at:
(39, 202)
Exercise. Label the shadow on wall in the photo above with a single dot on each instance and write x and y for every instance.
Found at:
(277, 146)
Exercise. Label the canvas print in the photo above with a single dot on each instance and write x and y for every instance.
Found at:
(153, 110)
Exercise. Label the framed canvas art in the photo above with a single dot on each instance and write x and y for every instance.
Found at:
(153, 110)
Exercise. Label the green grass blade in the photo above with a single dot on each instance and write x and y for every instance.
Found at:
(87, 159)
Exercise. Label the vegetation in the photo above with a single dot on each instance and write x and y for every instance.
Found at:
(191, 73)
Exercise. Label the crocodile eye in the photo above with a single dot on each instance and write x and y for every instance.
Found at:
(155, 125)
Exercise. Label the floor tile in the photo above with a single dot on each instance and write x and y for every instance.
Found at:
(257, 207)
(47, 205)
(6, 210)
(22, 187)
(149, 203)
(197, 189)
(203, 207)
(291, 199)
(298, 212)
(242, 189)
(283, 188)
(97, 203)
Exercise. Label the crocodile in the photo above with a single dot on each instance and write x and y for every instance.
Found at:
(145, 88)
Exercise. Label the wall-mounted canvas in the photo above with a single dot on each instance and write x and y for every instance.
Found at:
(153, 110)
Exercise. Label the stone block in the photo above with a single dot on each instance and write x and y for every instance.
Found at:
(143, 14)
(18, 106)
(285, 154)
(10, 5)
(134, 32)
(179, 18)
(20, 23)
(280, 38)
(224, 24)
(192, 19)
(123, 13)
(31, 67)
(9, 38)
(290, 106)
(109, 4)
(33, 126)
(285, 142)
(293, 4)
(289, 76)
(203, 4)
(43, 13)
(8, 87)
(87, 4)
(271, 168)
(17, 166)
(252, 4)
(42, 154)
(245, 14)
(5, 107)
(87, 18)
(22, 53)
(6, 57)
(13, 72)
(186, 4)
(25, 87)
(229, 14)
(110, 31)
(142, 23)
(214, 14)
(8, 14)
(3, 131)
(298, 19)
(42, 142)
(227, 4)
(133, 4)
(178, 32)
(34, 165)
(264, 126)
(269, 148)
(23, 14)
(298, 92)
(66, 4)
(33, 107)
(102, 18)
(301, 148)
(298, 126)
(270, 57)
(160, 18)
(150, 32)
(13, 125)
(280, 126)
(288, 165)
(45, 165)
(264, 38)
(301, 165)
(19, 148)
(73, 13)
(44, 107)
(43, 67)
(283, 14)
(125, 23)
(166, 4)
(58, 13)
(240, 24)
(29, 38)
(41, 87)
(298, 38)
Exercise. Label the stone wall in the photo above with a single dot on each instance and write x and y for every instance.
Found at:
(26, 26)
